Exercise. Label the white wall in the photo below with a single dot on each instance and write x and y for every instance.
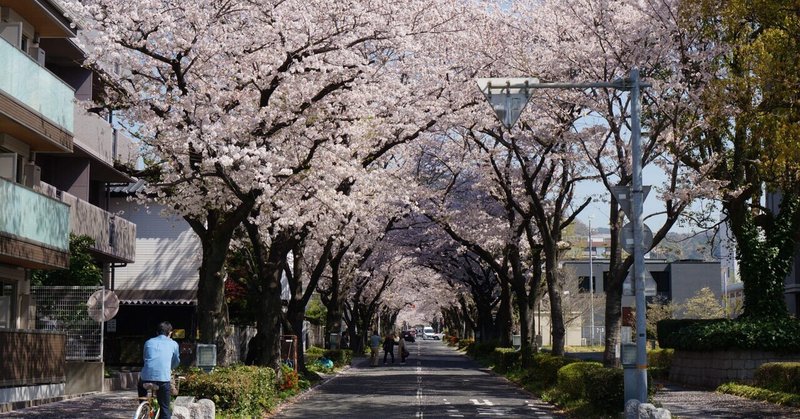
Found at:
(168, 252)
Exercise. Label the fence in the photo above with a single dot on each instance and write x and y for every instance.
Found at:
(64, 309)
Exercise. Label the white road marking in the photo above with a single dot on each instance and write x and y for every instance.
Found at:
(485, 402)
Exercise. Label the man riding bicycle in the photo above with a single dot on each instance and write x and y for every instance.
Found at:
(160, 357)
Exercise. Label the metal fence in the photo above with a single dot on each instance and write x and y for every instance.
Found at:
(64, 309)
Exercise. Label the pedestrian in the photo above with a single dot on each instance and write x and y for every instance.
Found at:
(375, 345)
(388, 347)
(160, 357)
(401, 347)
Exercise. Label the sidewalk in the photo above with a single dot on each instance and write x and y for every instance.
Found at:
(116, 404)
(692, 403)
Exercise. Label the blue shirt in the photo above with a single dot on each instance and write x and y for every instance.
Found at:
(375, 341)
(160, 357)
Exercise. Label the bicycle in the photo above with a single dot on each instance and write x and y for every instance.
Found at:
(149, 408)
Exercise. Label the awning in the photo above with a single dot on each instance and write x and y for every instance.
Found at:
(137, 297)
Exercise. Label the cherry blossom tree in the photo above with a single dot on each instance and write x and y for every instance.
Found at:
(601, 41)
(241, 100)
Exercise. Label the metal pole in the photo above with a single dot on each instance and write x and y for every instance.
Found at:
(638, 250)
(591, 279)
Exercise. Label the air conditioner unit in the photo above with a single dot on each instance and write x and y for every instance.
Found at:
(12, 32)
(32, 175)
(37, 54)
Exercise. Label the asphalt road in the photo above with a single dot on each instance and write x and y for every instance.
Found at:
(436, 382)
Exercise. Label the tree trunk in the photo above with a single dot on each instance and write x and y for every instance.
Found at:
(503, 321)
(554, 291)
(616, 275)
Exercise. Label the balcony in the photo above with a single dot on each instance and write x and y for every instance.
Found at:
(35, 105)
(34, 228)
(96, 136)
(114, 236)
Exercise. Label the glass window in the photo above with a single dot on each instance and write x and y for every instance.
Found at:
(6, 301)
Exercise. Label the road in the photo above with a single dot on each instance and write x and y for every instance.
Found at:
(436, 382)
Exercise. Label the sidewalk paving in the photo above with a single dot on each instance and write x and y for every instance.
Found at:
(115, 404)
(684, 402)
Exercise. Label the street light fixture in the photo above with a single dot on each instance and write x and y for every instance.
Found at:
(591, 278)
(506, 97)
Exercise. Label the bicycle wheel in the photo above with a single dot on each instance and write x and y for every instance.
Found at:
(143, 411)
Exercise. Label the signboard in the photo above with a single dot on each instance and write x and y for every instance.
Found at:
(508, 97)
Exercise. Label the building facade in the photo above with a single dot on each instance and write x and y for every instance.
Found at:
(56, 161)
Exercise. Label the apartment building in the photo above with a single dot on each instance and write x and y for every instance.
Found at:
(56, 161)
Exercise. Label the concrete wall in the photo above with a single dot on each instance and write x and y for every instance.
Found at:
(84, 377)
(712, 368)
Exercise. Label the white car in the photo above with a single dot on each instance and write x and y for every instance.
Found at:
(428, 333)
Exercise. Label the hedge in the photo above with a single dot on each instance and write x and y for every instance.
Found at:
(545, 368)
(505, 359)
(779, 376)
(245, 391)
(481, 349)
(659, 362)
(607, 393)
(757, 393)
(571, 379)
(778, 335)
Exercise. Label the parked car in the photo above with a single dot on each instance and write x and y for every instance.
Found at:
(409, 335)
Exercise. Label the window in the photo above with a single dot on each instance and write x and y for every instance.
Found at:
(6, 308)
(584, 285)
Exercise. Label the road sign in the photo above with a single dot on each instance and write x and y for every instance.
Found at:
(629, 285)
(626, 237)
(623, 196)
(508, 97)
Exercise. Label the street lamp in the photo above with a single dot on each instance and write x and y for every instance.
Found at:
(508, 98)
(591, 278)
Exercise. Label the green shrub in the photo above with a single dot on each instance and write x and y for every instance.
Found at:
(340, 357)
(316, 350)
(779, 335)
(757, 393)
(659, 362)
(545, 368)
(481, 349)
(779, 376)
(571, 379)
(607, 393)
(464, 343)
(505, 359)
(246, 391)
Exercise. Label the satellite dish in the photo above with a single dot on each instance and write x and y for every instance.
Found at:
(103, 305)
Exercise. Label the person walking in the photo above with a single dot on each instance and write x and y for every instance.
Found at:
(375, 345)
(388, 347)
(160, 357)
(401, 347)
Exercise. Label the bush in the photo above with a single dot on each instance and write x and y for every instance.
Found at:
(545, 368)
(465, 343)
(659, 362)
(452, 340)
(757, 393)
(290, 380)
(481, 349)
(779, 376)
(778, 335)
(246, 391)
(607, 393)
(571, 379)
(505, 359)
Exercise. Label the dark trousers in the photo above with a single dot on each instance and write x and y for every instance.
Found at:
(388, 352)
(162, 395)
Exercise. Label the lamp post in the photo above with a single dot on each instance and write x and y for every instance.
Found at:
(508, 98)
(591, 279)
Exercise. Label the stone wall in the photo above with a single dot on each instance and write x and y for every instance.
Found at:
(712, 368)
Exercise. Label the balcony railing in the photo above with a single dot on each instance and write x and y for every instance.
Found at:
(33, 217)
(114, 236)
(96, 135)
(35, 87)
